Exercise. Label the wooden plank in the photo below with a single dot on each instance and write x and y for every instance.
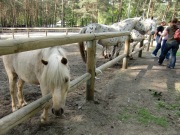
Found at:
(126, 51)
(15, 46)
(90, 68)
(109, 63)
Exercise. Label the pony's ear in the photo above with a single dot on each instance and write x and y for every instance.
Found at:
(44, 62)
(64, 61)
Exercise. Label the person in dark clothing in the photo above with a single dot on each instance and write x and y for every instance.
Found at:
(170, 44)
(157, 35)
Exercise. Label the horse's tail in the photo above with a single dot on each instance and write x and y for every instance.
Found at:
(81, 45)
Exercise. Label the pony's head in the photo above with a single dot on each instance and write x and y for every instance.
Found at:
(55, 77)
(145, 26)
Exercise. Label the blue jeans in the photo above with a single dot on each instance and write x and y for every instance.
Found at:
(163, 44)
(174, 45)
(158, 46)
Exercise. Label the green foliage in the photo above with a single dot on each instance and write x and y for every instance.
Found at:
(75, 12)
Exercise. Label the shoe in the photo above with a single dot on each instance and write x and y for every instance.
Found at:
(170, 67)
(160, 64)
(153, 55)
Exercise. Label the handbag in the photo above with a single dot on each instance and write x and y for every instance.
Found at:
(177, 35)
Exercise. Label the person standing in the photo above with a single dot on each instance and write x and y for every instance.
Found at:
(157, 37)
(170, 44)
(164, 37)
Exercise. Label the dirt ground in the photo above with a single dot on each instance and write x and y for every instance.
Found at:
(142, 100)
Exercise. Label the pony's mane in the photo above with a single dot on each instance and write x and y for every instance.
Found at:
(135, 19)
(55, 73)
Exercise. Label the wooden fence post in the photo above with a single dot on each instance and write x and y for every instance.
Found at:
(126, 51)
(66, 31)
(90, 67)
(46, 32)
(141, 44)
(152, 39)
(13, 33)
(28, 32)
(149, 42)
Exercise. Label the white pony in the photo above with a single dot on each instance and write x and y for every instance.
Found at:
(126, 25)
(45, 67)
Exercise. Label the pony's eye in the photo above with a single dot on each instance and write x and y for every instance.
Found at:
(64, 61)
(44, 62)
(66, 79)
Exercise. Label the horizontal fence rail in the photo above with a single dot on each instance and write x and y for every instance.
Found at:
(15, 46)
(38, 29)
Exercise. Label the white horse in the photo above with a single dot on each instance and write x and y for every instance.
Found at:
(126, 25)
(142, 27)
(45, 67)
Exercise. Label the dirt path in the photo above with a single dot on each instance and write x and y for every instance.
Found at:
(142, 100)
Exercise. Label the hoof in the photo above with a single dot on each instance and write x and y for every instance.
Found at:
(22, 104)
(131, 58)
(43, 119)
(14, 109)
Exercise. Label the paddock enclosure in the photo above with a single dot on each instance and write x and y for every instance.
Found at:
(68, 42)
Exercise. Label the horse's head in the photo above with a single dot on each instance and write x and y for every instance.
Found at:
(56, 77)
(146, 25)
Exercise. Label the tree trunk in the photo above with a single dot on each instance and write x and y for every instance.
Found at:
(144, 7)
(152, 8)
(62, 14)
(149, 8)
(175, 7)
(55, 13)
(167, 10)
(120, 10)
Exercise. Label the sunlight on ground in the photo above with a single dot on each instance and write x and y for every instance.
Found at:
(140, 67)
(78, 118)
(177, 86)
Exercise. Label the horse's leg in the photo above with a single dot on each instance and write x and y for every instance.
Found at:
(117, 51)
(113, 49)
(13, 89)
(106, 53)
(133, 48)
(44, 115)
(103, 51)
(20, 96)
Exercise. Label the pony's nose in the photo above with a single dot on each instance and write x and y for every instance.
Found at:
(58, 112)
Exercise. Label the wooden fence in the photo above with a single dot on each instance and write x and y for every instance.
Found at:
(38, 29)
(15, 46)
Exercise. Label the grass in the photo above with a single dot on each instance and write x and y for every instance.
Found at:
(178, 53)
(143, 116)
(162, 104)
(172, 107)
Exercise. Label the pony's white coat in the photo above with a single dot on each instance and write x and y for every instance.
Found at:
(53, 76)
